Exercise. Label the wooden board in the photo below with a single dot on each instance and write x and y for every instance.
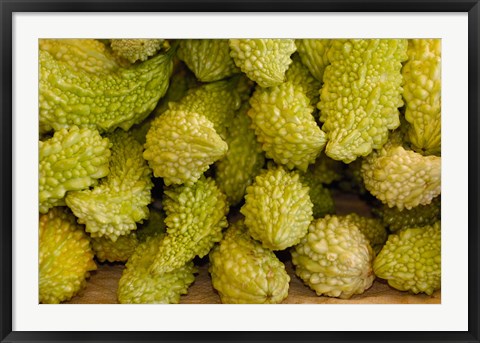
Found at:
(102, 285)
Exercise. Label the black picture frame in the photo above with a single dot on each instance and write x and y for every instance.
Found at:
(8, 7)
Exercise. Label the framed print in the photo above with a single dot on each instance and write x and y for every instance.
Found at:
(239, 171)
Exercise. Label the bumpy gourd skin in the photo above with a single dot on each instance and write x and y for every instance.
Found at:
(244, 87)
(372, 228)
(138, 286)
(209, 59)
(180, 146)
(113, 208)
(313, 53)
(244, 158)
(320, 195)
(88, 55)
(196, 216)
(181, 81)
(73, 159)
(119, 251)
(65, 256)
(411, 260)
(277, 208)
(361, 94)
(420, 215)
(422, 94)
(334, 259)
(264, 61)
(400, 177)
(299, 74)
(70, 95)
(217, 101)
(134, 49)
(284, 124)
(243, 272)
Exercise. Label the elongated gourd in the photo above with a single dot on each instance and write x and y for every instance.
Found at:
(71, 95)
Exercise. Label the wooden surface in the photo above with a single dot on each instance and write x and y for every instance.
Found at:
(102, 285)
